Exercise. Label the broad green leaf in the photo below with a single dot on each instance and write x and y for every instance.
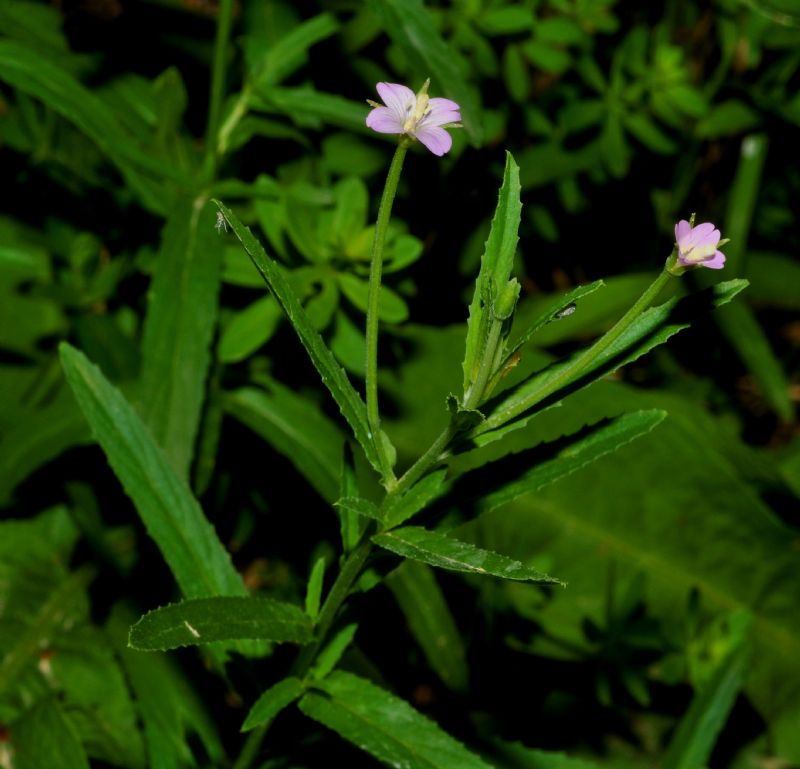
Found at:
(45, 737)
(497, 489)
(391, 309)
(399, 509)
(496, 265)
(273, 701)
(290, 51)
(170, 513)
(727, 118)
(314, 588)
(697, 733)
(207, 620)
(384, 726)
(652, 328)
(408, 23)
(248, 329)
(296, 428)
(178, 329)
(332, 374)
(424, 606)
(445, 552)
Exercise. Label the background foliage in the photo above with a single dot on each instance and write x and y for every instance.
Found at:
(214, 454)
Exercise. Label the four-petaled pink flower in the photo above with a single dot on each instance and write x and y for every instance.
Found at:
(698, 245)
(415, 115)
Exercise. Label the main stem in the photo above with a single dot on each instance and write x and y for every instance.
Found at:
(224, 20)
(373, 298)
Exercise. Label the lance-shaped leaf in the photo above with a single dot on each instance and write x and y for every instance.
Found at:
(497, 487)
(178, 329)
(206, 620)
(444, 552)
(384, 726)
(171, 515)
(496, 265)
(399, 509)
(273, 701)
(650, 329)
(332, 374)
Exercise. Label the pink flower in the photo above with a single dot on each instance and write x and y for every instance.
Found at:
(698, 245)
(415, 115)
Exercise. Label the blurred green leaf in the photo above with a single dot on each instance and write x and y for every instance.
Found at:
(424, 606)
(170, 513)
(307, 106)
(248, 329)
(178, 329)
(334, 378)
(391, 309)
(409, 24)
(273, 701)
(296, 428)
(207, 620)
(727, 118)
(45, 737)
(314, 588)
(444, 552)
(773, 280)
(384, 726)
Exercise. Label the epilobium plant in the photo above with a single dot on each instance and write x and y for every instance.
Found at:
(375, 517)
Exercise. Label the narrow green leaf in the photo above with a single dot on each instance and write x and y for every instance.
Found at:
(329, 657)
(652, 328)
(307, 106)
(520, 756)
(359, 506)
(207, 620)
(178, 329)
(314, 589)
(698, 730)
(445, 552)
(496, 265)
(170, 513)
(351, 524)
(424, 606)
(273, 701)
(332, 374)
(384, 726)
(296, 428)
(45, 737)
(598, 443)
(408, 23)
(399, 509)
(290, 51)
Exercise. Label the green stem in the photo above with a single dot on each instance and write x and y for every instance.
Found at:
(584, 361)
(224, 20)
(425, 462)
(373, 298)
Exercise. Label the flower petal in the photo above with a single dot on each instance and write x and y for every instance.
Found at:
(436, 139)
(682, 229)
(384, 121)
(443, 111)
(398, 98)
(702, 233)
(717, 262)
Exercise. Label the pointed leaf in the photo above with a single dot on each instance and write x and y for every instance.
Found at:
(206, 620)
(360, 506)
(329, 657)
(496, 264)
(399, 509)
(314, 589)
(178, 329)
(170, 513)
(273, 701)
(332, 374)
(384, 726)
(445, 552)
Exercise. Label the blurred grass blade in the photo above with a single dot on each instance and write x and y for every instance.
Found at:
(424, 606)
(496, 265)
(384, 726)
(698, 730)
(293, 426)
(178, 330)
(207, 620)
(170, 513)
(45, 737)
(600, 442)
(332, 374)
(444, 552)
(273, 701)
(408, 23)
